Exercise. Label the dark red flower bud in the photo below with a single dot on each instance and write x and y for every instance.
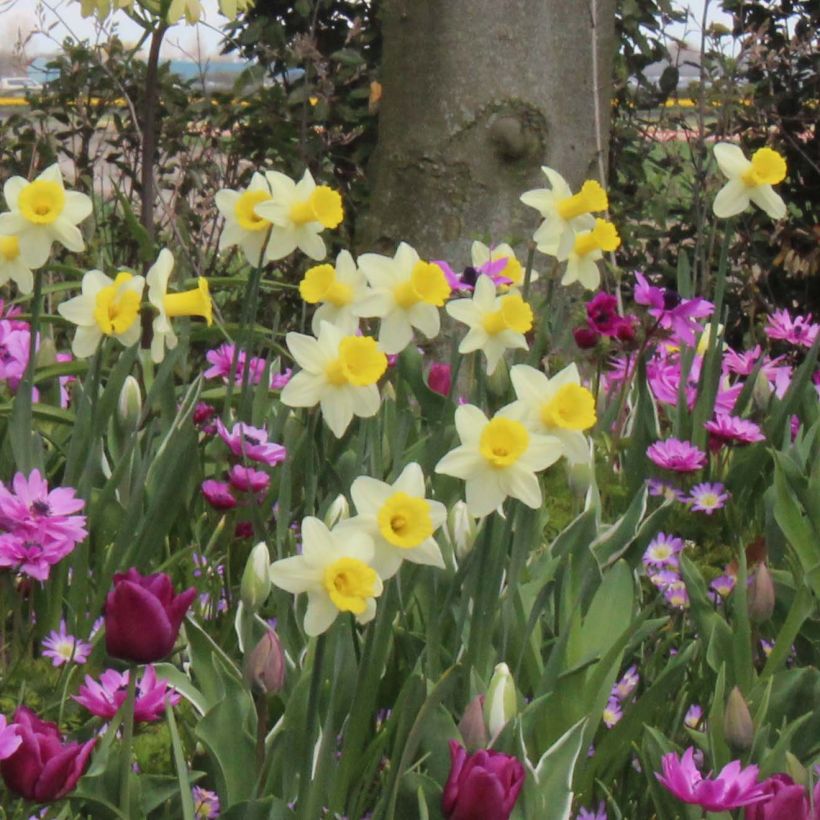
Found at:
(585, 337)
(439, 379)
(143, 616)
(787, 800)
(625, 329)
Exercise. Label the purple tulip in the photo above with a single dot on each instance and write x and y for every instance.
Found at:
(481, 786)
(143, 616)
(787, 799)
(43, 768)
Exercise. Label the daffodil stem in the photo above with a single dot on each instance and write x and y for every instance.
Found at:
(312, 717)
(127, 742)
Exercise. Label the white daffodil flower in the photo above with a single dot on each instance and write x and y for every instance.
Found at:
(336, 572)
(564, 213)
(588, 249)
(497, 323)
(498, 457)
(339, 372)
(399, 519)
(243, 227)
(497, 261)
(560, 407)
(337, 290)
(42, 212)
(106, 307)
(13, 266)
(749, 181)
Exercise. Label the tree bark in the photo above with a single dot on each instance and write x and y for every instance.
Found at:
(478, 94)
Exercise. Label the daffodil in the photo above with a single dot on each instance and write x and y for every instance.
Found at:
(498, 457)
(242, 225)
(335, 570)
(560, 407)
(339, 372)
(749, 181)
(407, 293)
(106, 307)
(42, 212)
(497, 323)
(499, 261)
(298, 212)
(337, 290)
(399, 519)
(13, 266)
(582, 258)
(194, 302)
(564, 213)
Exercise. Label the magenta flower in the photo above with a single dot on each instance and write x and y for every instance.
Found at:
(221, 358)
(732, 788)
(612, 713)
(677, 315)
(664, 376)
(14, 345)
(206, 803)
(744, 362)
(279, 380)
(218, 494)
(800, 331)
(10, 739)
(586, 338)
(64, 648)
(627, 684)
(787, 801)
(248, 480)
(707, 498)
(693, 716)
(439, 379)
(252, 443)
(603, 318)
(679, 456)
(103, 698)
(724, 429)
(203, 417)
(32, 555)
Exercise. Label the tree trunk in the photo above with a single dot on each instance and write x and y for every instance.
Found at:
(478, 94)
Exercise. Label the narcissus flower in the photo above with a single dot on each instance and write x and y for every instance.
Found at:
(583, 256)
(339, 373)
(42, 212)
(337, 290)
(749, 181)
(336, 572)
(106, 307)
(407, 293)
(564, 213)
(497, 323)
(500, 263)
(13, 266)
(399, 519)
(559, 407)
(243, 226)
(298, 212)
(498, 457)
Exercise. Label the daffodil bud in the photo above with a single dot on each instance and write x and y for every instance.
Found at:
(264, 666)
(760, 596)
(338, 511)
(501, 702)
(255, 586)
(472, 726)
(129, 406)
(462, 529)
(737, 722)
(580, 476)
(762, 391)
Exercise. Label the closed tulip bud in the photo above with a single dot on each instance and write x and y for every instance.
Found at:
(255, 586)
(762, 391)
(761, 595)
(462, 529)
(338, 511)
(129, 406)
(737, 722)
(264, 666)
(501, 702)
(472, 726)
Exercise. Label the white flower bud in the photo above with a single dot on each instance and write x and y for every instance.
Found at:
(255, 586)
(501, 703)
(462, 529)
(338, 511)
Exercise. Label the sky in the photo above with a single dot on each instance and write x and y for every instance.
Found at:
(63, 18)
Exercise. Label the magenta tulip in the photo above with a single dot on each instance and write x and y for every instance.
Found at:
(787, 799)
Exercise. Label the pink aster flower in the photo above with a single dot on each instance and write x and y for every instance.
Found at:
(64, 648)
(800, 331)
(32, 555)
(206, 803)
(221, 359)
(10, 739)
(693, 716)
(723, 585)
(218, 494)
(707, 498)
(674, 314)
(676, 595)
(14, 344)
(663, 551)
(248, 480)
(627, 684)
(103, 698)
(679, 456)
(612, 713)
(733, 787)
(724, 429)
(252, 443)
(744, 362)
(279, 380)
(664, 376)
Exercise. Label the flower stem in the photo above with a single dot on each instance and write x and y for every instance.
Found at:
(127, 742)
(312, 717)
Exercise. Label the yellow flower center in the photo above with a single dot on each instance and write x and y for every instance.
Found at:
(321, 285)
(514, 314)
(767, 168)
(9, 248)
(427, 283)
(360, 362)
(349, 583)
(194, 302)
(42, 201)
(246, 215)
(591, 197)
(116, 307)
(324, 205)
(503, 442)
(513, 270)
(571, 408)
(603, 237)
(404, 521)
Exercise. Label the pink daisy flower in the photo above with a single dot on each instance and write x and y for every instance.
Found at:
(63, 648)
(674, 454)
(14, 345)
(675, 314)
(221, 359)
(248, 480)
(103, 698)
(707, 498)
(252, 443)
(724, 429)
(800, 331)
(279, 380)
(218, 494)
(32, 555)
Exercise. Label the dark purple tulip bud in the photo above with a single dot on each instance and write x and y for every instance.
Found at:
(585, 337)
(265, 665)
(481, 786)
(143, 616)
(43, 768)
